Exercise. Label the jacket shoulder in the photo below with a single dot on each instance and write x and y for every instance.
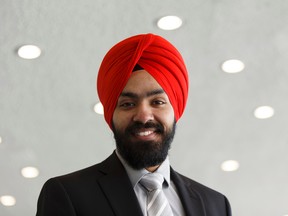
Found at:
(79, 191)
(213, 202)
(198, 187)
(94, 172)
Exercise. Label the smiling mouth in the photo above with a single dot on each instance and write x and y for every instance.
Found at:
(148, 131)
(144, 133)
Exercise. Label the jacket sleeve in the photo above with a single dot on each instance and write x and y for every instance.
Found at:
(54, 200)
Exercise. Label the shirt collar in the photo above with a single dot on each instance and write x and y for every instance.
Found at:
(135, 175)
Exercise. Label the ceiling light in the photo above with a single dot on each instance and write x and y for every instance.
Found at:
(29, 172)
(233, 66)
(169, 22)
(230, 165)
(264, 112)
(0, 140)
(29, 52)
(98, 108)
(8, 200)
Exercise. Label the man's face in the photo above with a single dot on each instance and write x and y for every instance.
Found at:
(143, 122)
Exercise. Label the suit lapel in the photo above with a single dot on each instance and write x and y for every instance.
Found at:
(190, 200)
(118, 189)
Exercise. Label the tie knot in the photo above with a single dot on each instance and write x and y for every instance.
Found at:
(152, 181)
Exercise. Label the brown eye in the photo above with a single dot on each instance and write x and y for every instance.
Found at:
(158, 102)
(127, 105)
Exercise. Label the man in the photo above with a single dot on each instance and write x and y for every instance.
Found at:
(143, 85)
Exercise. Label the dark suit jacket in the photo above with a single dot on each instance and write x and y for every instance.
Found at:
(105, 190)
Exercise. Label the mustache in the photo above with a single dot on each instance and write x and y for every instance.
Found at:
(136, 126)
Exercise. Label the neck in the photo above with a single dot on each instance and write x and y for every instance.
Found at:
(152, 169)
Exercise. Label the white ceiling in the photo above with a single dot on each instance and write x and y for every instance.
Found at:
(46, 105)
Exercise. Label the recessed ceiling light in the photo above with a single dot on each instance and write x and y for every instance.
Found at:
(8, 200)
(264, 112)
(169, 23)
(233, 66)
(230, 165)
(29, 52)
(29, 172)
(0, 140)
(98, 108)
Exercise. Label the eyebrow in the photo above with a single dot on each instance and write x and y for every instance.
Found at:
(148, 94)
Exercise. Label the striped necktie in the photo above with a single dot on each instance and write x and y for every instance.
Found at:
(157, 203)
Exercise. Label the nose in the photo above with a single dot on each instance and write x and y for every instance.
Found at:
(143, 113)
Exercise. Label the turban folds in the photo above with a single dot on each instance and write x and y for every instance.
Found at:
(155, 55)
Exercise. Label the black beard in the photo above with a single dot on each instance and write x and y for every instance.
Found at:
(143, 154)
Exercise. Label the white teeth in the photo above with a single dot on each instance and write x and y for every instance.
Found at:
(144, 133)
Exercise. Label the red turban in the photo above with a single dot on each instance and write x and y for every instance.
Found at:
(154, 54)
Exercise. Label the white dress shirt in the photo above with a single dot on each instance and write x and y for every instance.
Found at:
(169, 188)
